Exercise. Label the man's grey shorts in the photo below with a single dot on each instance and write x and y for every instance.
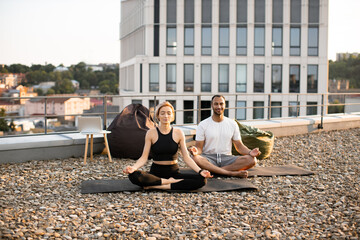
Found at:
(220, 160)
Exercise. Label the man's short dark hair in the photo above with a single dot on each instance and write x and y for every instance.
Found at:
(221, 96)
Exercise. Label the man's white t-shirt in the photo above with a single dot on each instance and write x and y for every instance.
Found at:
(218, 136)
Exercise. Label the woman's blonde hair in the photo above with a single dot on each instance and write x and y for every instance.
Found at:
(164, 104)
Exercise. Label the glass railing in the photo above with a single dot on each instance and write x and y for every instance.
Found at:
(58, 114)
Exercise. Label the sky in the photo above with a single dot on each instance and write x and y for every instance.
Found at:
(70, 31)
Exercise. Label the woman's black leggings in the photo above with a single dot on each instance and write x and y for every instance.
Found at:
(153, 178)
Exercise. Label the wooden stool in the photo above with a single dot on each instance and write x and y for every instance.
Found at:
(91, 126)
(104, 132)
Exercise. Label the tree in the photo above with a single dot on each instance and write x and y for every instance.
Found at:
(348, 69)
(64, 86)
(3, 123)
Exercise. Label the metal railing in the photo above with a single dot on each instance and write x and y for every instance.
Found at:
(336, 102)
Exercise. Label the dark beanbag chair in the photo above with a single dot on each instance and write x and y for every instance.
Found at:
(253, 137)
(128, 130)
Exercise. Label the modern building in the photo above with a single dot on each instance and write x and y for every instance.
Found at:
(344, 56)
(258, 53)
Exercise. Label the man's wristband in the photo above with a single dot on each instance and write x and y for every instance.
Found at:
(199, 172)
(249, 153)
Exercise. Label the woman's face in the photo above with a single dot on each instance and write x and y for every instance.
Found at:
(165, 114)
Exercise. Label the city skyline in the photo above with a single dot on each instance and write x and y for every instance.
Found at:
(66, 32)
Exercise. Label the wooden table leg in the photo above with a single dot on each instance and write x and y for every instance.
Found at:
(91, 147)
(107, 147)
(86, 147)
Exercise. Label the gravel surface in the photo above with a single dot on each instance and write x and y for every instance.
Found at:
(42, 199)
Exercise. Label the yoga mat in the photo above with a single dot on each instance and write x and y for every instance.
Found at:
(284, 170)
(124, 185)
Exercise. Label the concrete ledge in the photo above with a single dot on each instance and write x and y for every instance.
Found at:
(289, 127)
(44, 147)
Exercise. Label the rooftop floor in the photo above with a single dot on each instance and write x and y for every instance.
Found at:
(42, 199)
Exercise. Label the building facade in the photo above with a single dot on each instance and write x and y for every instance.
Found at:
(258, 53)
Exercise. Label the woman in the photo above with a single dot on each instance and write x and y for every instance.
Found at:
(164, 142)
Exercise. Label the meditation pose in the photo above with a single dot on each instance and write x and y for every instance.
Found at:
(214, 138)
(164, 142)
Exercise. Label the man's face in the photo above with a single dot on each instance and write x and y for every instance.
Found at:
(218, 105)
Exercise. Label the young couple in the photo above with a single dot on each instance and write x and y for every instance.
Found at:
(211, 154)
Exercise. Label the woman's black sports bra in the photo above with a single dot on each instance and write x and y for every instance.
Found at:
(165, 148)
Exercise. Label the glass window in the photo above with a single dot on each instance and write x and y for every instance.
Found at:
(189, 11)
(276, 78)
(241, 77)
(205, 77)
(295, 41)
(275, 109)
(241, 11)
(240, 110)
(154, 78)
(259, 77)
(171, 11)
(136, 101)
(312, 79)
(188, 77)
(206, 10)
(314, 11)
(294, 109)
(295, 11)
(277, 7)
(171, 41)
(156, 27)
(259, 38)
(188, 115)
(294, 79)
(223, 77)
(277, 41)
(310, 109)
(260, 11)
(258, 112)
(206, 40)
(171, 77)
(241, 41)
(189, 41)
(224, 41)
(206, 105)
(313, 41)
(224, 11)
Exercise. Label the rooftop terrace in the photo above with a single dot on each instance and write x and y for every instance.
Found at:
(42, 199)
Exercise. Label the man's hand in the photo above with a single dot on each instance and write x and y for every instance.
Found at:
(255, 152)
(193, 150)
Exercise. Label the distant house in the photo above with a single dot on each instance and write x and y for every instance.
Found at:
(61, 69)
(57, 106)
(95, 68)
(75, 84)
(45, 86)
(10, 80)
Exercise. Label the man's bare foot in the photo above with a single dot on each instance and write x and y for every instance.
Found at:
(240, 174)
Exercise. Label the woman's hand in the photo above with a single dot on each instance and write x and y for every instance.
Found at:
(206, 174)
(129, 169)
(255, 152)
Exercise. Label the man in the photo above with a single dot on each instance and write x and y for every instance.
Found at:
(214, 138)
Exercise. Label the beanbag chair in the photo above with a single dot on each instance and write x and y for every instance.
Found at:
(253, 137)
(128, 130)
